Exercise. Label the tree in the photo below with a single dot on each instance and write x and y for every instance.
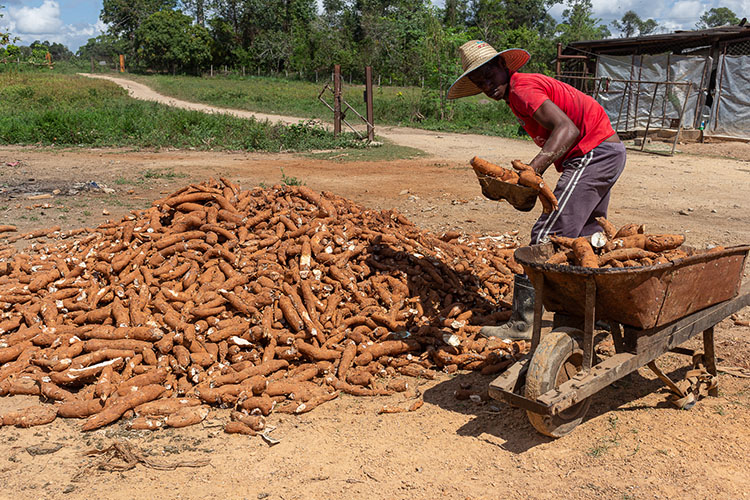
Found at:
(125, 16)
(455, 13)
(197, 8)
(632, 24)
(717, 16)
(102, 48)
(58, 51)
(578, 23)
(168, 40)
(5, 38)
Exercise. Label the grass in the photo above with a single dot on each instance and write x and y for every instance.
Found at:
(605, 443)
(68, 110)
(404, 106)
(387, 152)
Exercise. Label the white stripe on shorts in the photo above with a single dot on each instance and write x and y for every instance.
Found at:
(565, 195)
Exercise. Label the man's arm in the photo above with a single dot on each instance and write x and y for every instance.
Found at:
(563, 135)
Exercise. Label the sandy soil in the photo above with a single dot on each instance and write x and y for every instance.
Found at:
(633, 445)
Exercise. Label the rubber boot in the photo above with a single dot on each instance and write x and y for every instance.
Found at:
(521, 319)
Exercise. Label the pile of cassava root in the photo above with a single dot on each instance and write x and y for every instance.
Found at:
(259, 300)
(624, 247)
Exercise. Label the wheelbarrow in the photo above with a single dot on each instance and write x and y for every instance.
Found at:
(651, 310)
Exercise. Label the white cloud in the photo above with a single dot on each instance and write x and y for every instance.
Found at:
(37, 20)
(44, 23)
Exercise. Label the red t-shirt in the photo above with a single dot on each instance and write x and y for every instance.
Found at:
(528, 91)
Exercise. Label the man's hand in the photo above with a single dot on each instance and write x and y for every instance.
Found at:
(528, 177)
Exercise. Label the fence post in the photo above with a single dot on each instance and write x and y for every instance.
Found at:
(336, 100)
(243, 70)
(212, 70)
(368, 99)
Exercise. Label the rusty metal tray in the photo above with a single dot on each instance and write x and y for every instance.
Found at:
(522, 198)
(641, 297)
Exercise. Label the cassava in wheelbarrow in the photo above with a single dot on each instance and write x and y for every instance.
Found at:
(650, 309)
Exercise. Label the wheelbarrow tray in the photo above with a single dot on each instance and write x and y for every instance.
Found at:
(641, 297)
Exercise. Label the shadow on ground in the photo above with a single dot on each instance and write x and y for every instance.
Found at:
(510, 424)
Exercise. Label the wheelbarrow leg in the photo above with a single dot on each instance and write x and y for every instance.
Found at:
(709, 356)
(589, 319)
(536, 328)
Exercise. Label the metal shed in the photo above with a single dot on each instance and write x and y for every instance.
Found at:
(683, 80)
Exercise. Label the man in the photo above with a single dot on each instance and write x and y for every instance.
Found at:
(574, 133)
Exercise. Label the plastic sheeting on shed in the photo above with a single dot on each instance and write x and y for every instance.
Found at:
(730, 113)
(640, 101)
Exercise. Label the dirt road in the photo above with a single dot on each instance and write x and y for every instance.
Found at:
(633, 445)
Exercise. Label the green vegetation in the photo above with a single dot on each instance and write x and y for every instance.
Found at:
(386, 152)
(150, 174)
(166, 173)
(404, 106)
(45, 109)
(290, 181)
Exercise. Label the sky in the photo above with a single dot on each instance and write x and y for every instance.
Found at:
(73, 22)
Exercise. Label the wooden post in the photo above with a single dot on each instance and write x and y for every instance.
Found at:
(243, 70)
(709, 356)
(122, 63)
(336, 100)
(368, 103)
(557, 61)
(212, 70)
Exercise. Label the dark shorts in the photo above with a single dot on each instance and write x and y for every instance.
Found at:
(582, 193)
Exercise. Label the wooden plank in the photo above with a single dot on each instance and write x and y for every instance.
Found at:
(709, 356)
(536, 329)
(585, 384)
(589, 319)
(508, 381)
(525, 403)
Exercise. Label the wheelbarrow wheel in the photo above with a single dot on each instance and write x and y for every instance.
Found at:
(558, 358)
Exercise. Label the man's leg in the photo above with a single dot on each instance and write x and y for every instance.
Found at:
(600, 210)
(582, 193)
(611, 165)
(572, 195)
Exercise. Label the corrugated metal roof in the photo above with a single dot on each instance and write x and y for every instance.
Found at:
(656, 43)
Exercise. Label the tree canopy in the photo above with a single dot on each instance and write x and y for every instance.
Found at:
(717, 16)
(405, 41)
(5, 38)
(631, 24)
(168, 39)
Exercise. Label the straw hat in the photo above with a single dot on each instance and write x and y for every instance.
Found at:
(474, 54)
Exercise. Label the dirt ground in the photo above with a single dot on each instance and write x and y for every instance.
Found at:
(632, 445)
